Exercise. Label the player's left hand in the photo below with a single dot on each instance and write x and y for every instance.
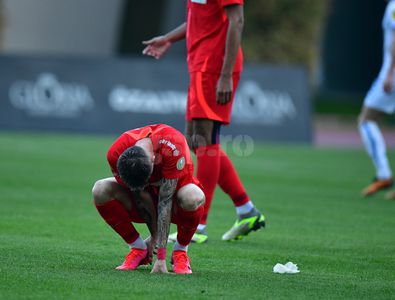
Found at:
(160, 267)
(224, 89)
(388, 84)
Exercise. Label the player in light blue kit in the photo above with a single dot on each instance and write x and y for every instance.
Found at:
(380, 100)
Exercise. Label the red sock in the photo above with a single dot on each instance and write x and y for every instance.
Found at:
(208, 167)
(118, 218)
(187, 223)
(230, 182)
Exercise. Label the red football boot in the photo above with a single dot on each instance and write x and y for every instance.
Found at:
(180, 262)
(136, 257)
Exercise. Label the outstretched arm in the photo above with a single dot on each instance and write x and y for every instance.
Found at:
(388, 82)
(235, 15)
(166, 192)
(158, 46)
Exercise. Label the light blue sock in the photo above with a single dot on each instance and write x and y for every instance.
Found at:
(375, 146)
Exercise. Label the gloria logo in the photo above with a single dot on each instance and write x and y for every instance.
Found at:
(256, 105)
(47, 96)
(253, 105)
(123, 99)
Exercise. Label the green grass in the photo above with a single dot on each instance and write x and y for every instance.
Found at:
(53, 244)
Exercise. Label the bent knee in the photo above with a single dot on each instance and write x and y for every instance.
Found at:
(190, 197)
(102, 191)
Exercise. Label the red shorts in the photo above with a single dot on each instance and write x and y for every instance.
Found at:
(202, 98)
(154, 192)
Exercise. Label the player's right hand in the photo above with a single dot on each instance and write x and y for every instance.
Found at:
(224, 89)
(151, 245)
(160, 267)
(156, 47)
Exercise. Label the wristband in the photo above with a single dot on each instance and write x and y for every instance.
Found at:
(161, 254)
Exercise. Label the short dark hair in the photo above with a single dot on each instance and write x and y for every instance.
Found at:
(134, 167)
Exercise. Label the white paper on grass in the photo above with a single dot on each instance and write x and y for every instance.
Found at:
(288, 268)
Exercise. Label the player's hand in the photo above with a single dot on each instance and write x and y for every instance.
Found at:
(160, 267)
(224, 89)
(388, 84)
(156, 47)
(151, 244)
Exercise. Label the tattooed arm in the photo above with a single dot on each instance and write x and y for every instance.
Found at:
(166, 192)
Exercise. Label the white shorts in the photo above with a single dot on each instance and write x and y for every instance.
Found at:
(379, 100)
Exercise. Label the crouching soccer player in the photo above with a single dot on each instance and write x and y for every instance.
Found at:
(153, 183)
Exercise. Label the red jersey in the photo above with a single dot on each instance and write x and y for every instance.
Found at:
(207, 27)
(172, 157)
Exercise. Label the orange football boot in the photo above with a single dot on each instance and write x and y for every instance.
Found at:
(377, 185)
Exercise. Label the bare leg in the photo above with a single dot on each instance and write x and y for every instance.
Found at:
(109, 189)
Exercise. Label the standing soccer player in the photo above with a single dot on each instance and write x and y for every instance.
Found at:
(380, 100)
(153, 183)
(213, 31)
